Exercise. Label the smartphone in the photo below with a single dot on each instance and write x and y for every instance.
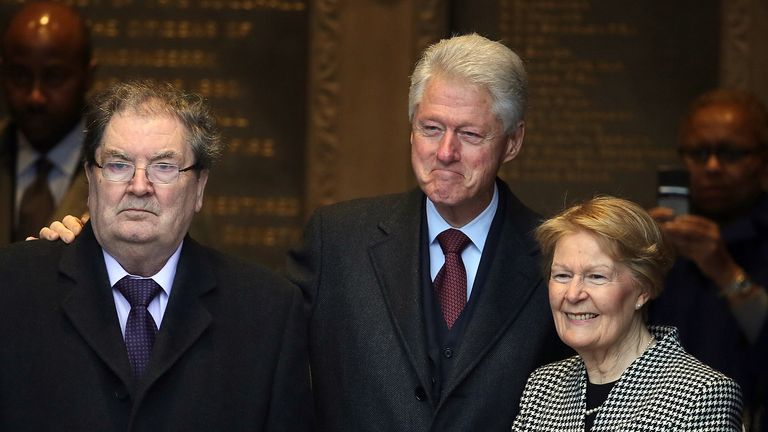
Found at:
(673, 189)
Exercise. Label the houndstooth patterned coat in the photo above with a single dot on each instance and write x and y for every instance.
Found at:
(665, 389)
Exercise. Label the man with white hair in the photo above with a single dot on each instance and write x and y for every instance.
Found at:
(428, 307)
(716, 292)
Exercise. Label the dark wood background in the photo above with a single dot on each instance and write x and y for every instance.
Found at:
(312, 95)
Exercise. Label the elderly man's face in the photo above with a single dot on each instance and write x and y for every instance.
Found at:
(458, 146)
(722, 153)
(140, 214)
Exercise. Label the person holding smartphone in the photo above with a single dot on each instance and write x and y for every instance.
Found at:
(716, 291)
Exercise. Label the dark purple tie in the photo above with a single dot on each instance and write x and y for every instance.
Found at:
(36, 206)
(140, 329)
(451, 280)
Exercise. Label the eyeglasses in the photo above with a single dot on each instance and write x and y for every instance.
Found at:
(724, 154)
(159, 173)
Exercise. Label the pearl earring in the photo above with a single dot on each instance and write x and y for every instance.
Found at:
(638, 305)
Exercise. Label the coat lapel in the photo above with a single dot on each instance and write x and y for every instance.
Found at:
(512, 278)
(185, 318)
(576, 397)
(89, 304)
(91, 309)
(395, 256)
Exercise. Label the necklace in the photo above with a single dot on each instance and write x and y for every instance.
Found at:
(650, 342)
(592, 411)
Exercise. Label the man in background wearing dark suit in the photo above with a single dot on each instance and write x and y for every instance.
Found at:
(716, 291)
(46, 69)
(409, 331)
(80, 348)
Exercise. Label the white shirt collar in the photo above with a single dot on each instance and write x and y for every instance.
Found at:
(65, 156)
(164, 277)
(477, 229)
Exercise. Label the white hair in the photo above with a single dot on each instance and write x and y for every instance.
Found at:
(480, 62)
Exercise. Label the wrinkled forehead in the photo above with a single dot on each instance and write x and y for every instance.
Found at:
(606, 245)
(445, 81)
(133, 133)
(443, 93)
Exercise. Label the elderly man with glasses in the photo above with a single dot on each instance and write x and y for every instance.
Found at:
(715, 293)
(135, 326)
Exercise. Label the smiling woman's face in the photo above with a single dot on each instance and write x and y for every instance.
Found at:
(593, 298)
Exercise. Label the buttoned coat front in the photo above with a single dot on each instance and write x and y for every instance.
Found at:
(230, 353)
(360, 268)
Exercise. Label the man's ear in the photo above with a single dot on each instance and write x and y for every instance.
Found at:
(88, 174)
(514, 142)
(202, 180)
(87, 169)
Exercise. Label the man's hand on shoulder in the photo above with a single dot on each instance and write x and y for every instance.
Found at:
(65, 230)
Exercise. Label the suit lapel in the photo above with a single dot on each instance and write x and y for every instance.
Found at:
(91, 309)
(185, 318)
(512, 278)
(89, 304)
(395, 258)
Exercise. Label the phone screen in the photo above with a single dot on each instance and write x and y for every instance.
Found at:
(673, 189)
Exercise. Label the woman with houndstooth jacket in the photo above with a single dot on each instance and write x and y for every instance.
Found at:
(605, 259)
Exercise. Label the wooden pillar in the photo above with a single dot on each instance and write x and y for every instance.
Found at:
(361, 55)
(744, 53)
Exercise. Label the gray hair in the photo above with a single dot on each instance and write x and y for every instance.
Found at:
(149, 98)
(478, 61)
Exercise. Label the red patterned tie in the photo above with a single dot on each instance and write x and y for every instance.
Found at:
(140, 329)
(451, 281)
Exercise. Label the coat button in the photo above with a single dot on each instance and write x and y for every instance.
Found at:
(448, 353)
(421, 394)
(121, 394)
